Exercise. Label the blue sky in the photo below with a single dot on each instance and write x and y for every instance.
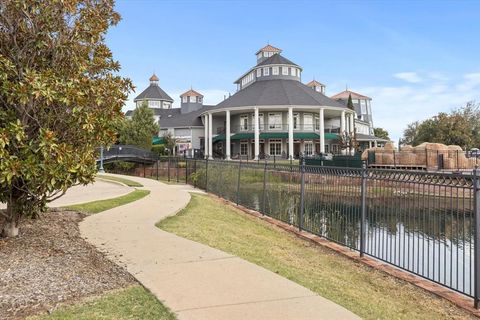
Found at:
(414, 58)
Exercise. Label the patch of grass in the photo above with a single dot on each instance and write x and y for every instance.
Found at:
(129, 183)
(368, 293)
(102, 205)
(130, 303)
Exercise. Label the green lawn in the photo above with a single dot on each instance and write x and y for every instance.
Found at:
(369, 293)
(130, 303)
(129, 183)
(102, 205)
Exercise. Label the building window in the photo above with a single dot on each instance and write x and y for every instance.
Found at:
(259, 73)
(298, 72)
(199, 99)
(363, 107)
(335, 149)
(244, 122)
(293, 72)
(317, 123)
(243, 148)
(275, 121)
(296, 121)
(308, 148)
(193, 99)
(327, 148)
(266, 71)
(184, 99)
(275, 71)
(285, 71)
(260, 120)
(275, 147)
(307, 121)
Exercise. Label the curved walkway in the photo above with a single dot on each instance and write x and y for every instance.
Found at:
(194, 280)
(99, 190)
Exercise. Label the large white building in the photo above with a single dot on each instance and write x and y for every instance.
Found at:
(272, 114)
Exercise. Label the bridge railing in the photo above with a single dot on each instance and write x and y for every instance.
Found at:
(127, 151)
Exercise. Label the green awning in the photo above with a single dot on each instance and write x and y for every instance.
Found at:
(242, 136)
(220, 137)
(158, 140)
(277, 135)
(331, 136)
(273, 135)
(305, 135)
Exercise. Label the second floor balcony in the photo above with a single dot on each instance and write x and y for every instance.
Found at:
(279, 127)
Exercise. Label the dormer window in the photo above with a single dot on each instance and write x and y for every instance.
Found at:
(193, 99)
(293, 72)
(259, 73)
(275, 71)
(184, 99)
(285, 71)
(266, 71)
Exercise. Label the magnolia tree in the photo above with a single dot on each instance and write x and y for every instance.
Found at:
(60, 97)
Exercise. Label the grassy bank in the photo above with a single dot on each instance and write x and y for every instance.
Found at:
(127, 182)
(366, 292)
(130, 303)
(102, 205)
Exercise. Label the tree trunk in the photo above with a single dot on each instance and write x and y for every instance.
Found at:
(10, 229)
(10, 225)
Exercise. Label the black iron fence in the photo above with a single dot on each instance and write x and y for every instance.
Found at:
(424, 223)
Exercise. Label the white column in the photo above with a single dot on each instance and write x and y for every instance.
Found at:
(227, 135)
(290, 133)
(205, 140)
(210, 140)
(343, 128)
(352, 123)
(342, 122)
(322, 131)
(352, 130)
(375, 143)
(257, 135)
(369, 144)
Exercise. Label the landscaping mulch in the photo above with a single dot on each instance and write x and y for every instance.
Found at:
(49, 264)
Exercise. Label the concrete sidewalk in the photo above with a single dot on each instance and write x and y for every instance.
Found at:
(194, 280)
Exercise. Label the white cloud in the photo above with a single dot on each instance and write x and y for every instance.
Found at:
(411, 77)
(396, 106)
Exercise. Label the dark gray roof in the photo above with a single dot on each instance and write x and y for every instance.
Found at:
(153, 92)
(276, 59)
(361, 136)
(278, 92)
(173, 118)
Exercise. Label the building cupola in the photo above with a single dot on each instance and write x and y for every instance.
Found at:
(154, 80)
(191, 101)
(266, 52)
(317, 86)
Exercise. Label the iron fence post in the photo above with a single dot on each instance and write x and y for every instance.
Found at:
(178, 169)
(364, 209)
(302, 194)
(264, 186)
(238, 180)
(168, 168)
(206, 175)
(476, 207)
(186, 170)
(157, 167)
(195, 172)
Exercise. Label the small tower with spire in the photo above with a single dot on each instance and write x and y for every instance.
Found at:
(154, 96)
(317, 86)
(154, 80)
(191, 100)
(266, 52)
